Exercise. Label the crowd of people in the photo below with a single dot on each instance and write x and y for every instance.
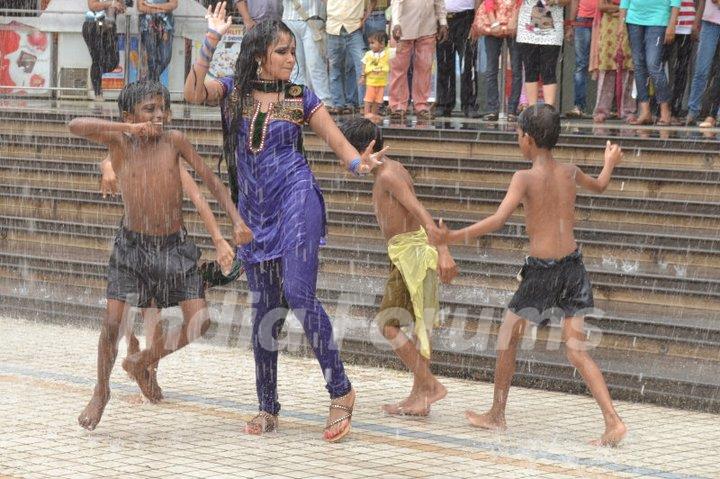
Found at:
(655, 61)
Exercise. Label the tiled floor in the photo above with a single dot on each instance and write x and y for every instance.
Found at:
(47, 373)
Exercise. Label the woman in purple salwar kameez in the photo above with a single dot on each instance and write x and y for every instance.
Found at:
(280, 200)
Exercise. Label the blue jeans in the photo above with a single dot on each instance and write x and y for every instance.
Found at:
(290, 282)
(709, 36)
(310, 67)
(376, 22)
(646, 44)
(493, 47)
(582, 60)
(345, 52)
(158, 51)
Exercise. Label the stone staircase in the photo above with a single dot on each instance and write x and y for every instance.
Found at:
(650, 244)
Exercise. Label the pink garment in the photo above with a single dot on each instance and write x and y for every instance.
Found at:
(587, 8)
(424, 49)
(606, 93)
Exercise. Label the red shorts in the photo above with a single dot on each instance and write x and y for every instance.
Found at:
(374, 94)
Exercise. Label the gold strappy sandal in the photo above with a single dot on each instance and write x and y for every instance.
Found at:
(348, 417)
(266, 421)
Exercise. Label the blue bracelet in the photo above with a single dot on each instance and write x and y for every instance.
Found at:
(210, 30)
(354, 167)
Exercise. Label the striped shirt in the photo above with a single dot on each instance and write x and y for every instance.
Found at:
(686, 17)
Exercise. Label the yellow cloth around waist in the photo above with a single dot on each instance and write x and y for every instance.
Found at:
(417, 262)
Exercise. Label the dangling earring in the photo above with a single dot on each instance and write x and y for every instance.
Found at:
(259, 70)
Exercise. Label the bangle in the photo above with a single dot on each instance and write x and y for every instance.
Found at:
(354, 167)
(214, 32)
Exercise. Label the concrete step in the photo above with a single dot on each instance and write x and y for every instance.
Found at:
(42, 244)
(639, 376)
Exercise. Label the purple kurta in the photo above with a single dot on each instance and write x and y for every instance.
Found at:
(274, 180)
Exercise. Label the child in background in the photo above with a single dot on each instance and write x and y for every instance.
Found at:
(375, 76)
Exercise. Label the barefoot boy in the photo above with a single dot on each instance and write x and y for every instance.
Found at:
(411, 294)
(554, 275)
(221, 271)
(212, 273)
(152, 259)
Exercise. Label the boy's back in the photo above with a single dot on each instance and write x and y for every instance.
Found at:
(549, 205)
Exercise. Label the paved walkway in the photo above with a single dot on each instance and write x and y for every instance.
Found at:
(47, 373)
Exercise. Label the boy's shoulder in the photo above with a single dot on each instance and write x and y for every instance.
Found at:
(390, 172)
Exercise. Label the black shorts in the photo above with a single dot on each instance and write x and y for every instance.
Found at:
(539, 61)
(552, 289)
(163, 268)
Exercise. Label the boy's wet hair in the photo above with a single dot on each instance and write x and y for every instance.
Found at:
(379, 36)
(542, 123)
(135, 92)
(360, 132)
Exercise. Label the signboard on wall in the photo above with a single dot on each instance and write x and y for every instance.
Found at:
(25, 55)
(115, 80)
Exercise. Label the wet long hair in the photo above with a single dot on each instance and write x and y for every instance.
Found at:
(255, 44)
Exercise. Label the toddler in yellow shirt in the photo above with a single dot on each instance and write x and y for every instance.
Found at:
(375, 74)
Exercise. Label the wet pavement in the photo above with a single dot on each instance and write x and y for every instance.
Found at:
(47, 374)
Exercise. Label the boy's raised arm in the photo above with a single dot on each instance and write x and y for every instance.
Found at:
(613, 156)
(100, 131)
(241, 232)
(513, 199)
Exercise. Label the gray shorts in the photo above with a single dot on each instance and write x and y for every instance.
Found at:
(552, 289)
(163, 268)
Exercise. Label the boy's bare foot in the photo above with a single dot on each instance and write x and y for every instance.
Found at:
(138, 371)
(489, 420)
(612, 436)
(91, 415)
(418, 403)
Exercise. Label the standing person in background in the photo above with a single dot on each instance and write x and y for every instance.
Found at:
(711, 98)
(540, 34)
(707, 18)
(650, 25)
(256, 11)
(306, 19)
(606, 51)
(579, 25)
(157, 26)
(460, 15)
(416, 27)
(375, 19)
(345, 53)
(494, 19)
(676, 57)
(100, 35)
(376, 66)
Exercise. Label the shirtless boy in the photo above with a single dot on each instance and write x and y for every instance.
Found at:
(411, 293)
(554, 275)
(221, 271)
(152, 259)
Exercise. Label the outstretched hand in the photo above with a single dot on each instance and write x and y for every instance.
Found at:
(369, 160)
(438, 235)
(218, 19)
(613, 153)
(108, 184)
(447, 269)
(225, 256)
(241, 234)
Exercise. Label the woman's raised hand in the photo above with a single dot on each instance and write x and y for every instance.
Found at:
(369, 160)
(218, 19)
